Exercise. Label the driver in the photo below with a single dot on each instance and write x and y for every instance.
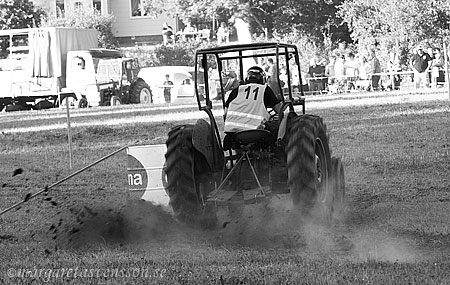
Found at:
(245, 108)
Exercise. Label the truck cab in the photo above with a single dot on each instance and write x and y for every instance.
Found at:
(101, 77)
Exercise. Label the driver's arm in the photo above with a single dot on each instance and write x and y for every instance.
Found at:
(277, 107)
(231, 97)
(271, 100)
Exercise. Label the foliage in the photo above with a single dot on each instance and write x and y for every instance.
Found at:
(307, 48)
(88, 19)
(17, 14)
(181, 53)
(398, 24)
(154, 8)
(316, 19)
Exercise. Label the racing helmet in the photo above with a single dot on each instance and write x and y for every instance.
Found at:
(255, 74)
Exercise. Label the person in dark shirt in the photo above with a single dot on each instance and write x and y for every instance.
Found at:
(316, 70)
(420, 64)
(167, 89)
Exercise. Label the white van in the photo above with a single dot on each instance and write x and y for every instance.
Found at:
(183, 90)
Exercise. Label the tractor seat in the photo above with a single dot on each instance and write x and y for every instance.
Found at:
(258, 137)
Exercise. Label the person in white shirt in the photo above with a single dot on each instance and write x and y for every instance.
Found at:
(223, 34)
(351, 70)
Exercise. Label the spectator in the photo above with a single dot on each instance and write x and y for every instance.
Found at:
(189, 28)
(364, 82)
(362, 68)
(339, 72)
(295, 76)
(316, 70)
(189, 32)
(214, 83)
(420, 64)
(305, 86)
(223, 34)
(436, 65)
(232, 82)
(167, 88)
(342, 48)
(373, 69)
(167, 33)
(320, 60)
(430, 52)
(351, 66)
(272, 76)
(329, 69)
(394, 67)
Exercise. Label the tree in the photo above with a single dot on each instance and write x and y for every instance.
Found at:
(389, 23)
(87, 18)
(314, 18)
(17, 14)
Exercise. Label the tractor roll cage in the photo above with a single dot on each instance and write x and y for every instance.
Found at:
(241, 52)
(238, 52)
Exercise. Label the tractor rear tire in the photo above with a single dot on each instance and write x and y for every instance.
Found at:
(309, 165)
(338, 185)
(141, 93)
(184, 165)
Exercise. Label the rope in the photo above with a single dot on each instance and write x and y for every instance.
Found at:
(29, 196)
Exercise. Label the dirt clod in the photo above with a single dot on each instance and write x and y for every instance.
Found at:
(17, 171)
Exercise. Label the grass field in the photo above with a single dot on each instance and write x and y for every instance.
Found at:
(395, 228)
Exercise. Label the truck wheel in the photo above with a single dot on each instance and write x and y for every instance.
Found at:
(2, 105)
(309, 164)
(184, 165)
(17, 107)
(338, 184)
(141, 93)
(83, 103)
(115, 101)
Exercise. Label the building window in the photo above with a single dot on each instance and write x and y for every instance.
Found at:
(60, 8)
(97, 5)
(78, 5)
(137, 8)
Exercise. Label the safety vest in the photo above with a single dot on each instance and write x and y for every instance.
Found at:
(247, 111)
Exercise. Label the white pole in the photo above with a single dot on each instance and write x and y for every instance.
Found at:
(69, 135)
(447, 76)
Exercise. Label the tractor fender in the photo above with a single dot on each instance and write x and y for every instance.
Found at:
(204, 140)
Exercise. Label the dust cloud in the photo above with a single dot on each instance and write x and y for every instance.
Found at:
(273, 225)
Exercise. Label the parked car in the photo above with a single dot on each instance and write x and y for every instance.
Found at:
(181, 76)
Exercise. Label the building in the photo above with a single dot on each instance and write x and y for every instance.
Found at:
(131, 25)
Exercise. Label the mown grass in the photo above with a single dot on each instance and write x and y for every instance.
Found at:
(394, 230)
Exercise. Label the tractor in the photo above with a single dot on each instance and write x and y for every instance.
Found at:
(102, 77)
(291, 155)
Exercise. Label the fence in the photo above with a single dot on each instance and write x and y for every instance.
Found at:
(386, 80)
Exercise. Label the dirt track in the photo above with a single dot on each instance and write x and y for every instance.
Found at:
(396, 159)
